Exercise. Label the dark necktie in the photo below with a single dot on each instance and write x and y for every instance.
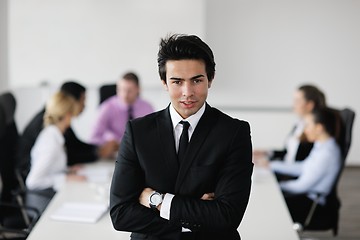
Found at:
(130, 113)
(184, 140)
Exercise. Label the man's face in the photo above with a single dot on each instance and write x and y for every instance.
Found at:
(187, 84)
(127, 91)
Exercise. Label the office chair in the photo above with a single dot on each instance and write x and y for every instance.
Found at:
(8, 144)
(15, 222)
(327, 217)
(9, 147)
(2, 122)
(107, 91)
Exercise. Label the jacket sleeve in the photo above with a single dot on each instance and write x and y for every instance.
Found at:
(128, 182)
(232, 191)
(278, 154)
(78, 151)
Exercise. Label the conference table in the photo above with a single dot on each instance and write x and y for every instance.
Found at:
(266, 216)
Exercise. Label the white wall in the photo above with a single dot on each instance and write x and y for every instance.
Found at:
(266, 49)
(3, 45)
(91, 40)
(263, 49)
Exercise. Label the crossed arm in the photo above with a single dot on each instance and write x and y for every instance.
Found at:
(129, 194)
(144, 197)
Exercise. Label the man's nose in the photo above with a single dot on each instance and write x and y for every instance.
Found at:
(188, 89)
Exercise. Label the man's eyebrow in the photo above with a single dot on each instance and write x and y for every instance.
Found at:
(192, 78)
(197, 76)
(176, 78)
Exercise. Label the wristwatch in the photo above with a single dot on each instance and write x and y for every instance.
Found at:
(155, 199)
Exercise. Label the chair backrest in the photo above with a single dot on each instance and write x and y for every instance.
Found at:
(2, 121)
(8, 145)
(107, 91)
(8, 104)
(347, 116)
(347, 120)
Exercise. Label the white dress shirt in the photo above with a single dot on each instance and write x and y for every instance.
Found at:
(293, 141)
(176, 118)
(48, 160)
(316, 174)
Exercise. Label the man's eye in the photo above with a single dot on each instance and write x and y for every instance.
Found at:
(177, 82)
(197, 80)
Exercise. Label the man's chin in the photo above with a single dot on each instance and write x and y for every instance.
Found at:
(188, 112)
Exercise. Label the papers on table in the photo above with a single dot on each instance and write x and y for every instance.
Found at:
(96, 175)
(80, 212)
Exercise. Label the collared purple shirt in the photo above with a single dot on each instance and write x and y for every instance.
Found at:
(112, 119)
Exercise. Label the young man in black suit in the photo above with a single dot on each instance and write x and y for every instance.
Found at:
(165, 187)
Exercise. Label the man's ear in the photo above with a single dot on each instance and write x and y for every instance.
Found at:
(165, 85)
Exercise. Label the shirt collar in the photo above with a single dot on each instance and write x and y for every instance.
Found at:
(193, 119)
(330, 141)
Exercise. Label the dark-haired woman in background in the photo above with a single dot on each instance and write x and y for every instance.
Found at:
(306, 99)
(318, 172)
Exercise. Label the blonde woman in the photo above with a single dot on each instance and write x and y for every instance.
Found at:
(48, 156)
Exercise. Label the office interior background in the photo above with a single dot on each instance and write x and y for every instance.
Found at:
(263, 49)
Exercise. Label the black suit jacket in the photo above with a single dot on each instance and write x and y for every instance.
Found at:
(218, 159)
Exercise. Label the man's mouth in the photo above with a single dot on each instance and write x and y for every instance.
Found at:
(188, 104)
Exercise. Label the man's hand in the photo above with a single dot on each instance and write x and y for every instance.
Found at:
(144, 197)
(108, 149)
(208, 196)
(261, 158)
(75, 178)
(75, 168)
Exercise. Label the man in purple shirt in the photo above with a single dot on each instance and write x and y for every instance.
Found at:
(117, 110)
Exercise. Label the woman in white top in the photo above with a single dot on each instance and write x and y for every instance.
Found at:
(48, 156)
(318, 172)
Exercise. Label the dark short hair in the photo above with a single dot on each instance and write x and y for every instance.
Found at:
(73, 88)
(314, 94)
(330, 119)
(130, 76)
(180, 47)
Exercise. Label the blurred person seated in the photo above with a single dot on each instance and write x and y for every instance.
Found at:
(77, 151)
(48, 156)
(318, 172)
(117, 110)
(306, 99)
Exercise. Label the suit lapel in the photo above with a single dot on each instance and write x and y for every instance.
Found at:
(200, 134)
(166, 135)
